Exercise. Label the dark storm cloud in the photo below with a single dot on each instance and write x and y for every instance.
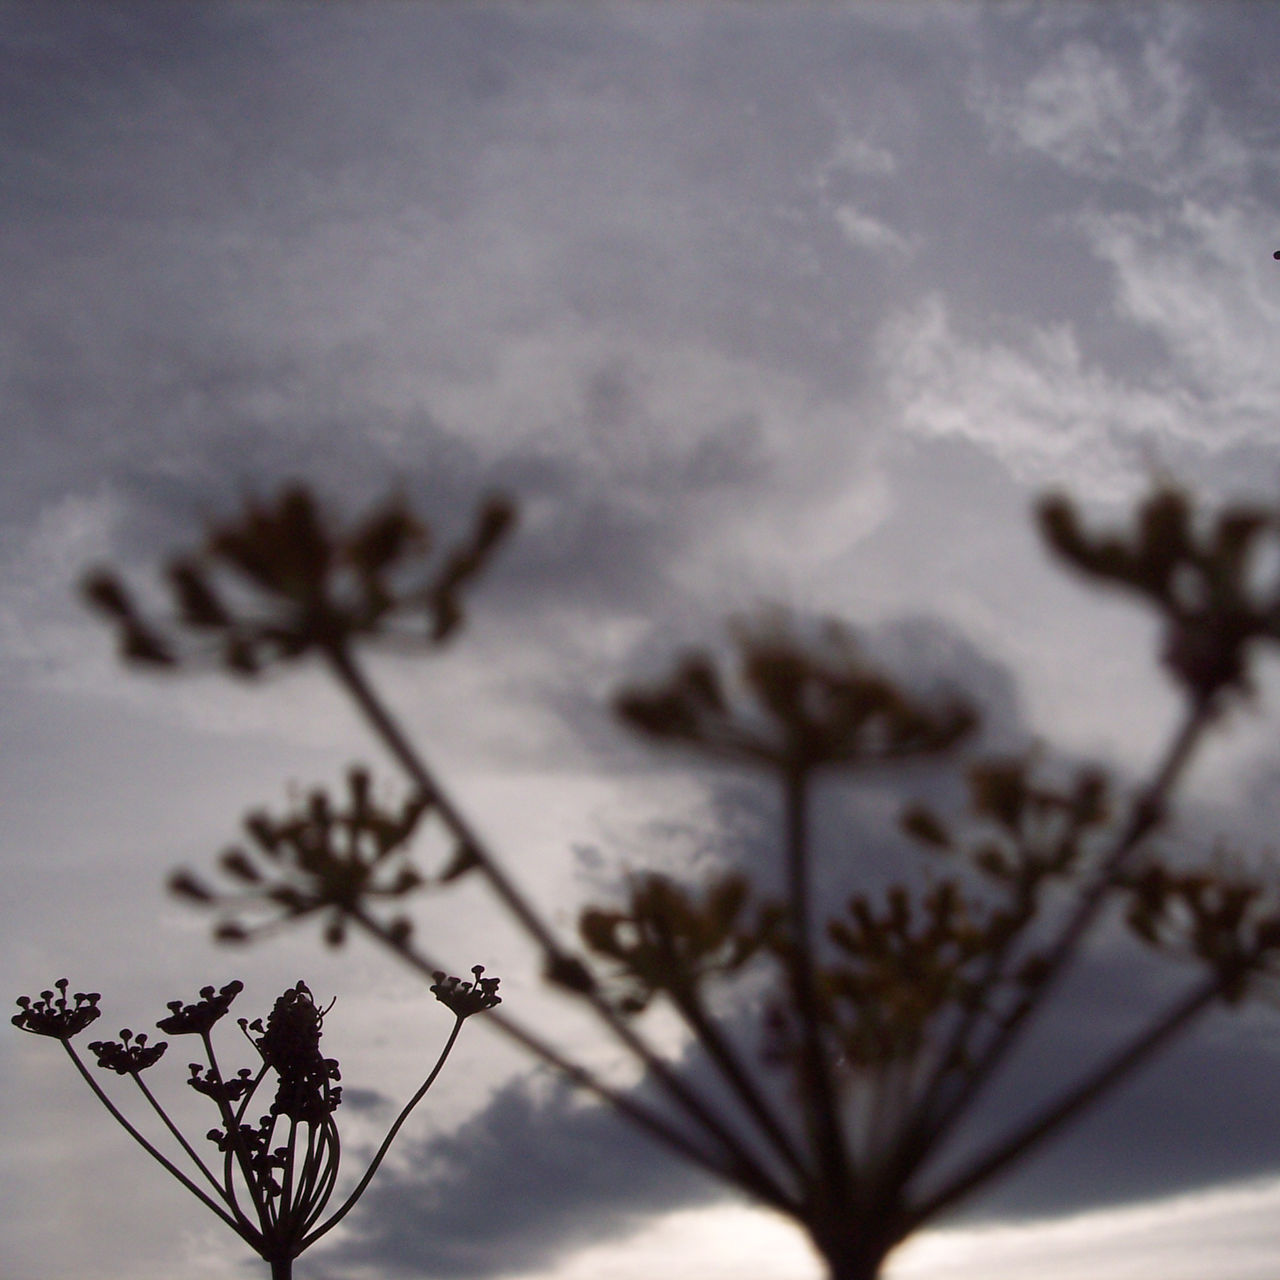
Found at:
(535, 1175)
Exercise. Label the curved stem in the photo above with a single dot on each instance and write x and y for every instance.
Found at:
(732, 1166)
(387, 1141)
(353, 680)
(242, 1229)
(180, 1137)
(332, 1144)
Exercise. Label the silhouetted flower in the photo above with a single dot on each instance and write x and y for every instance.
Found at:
(290, 1045)
(466, 998)
(277, 1175)
(207, 1081)
(664, 940)
(322, 857)
(52, 1016)
(285, 580)
(1203, 578)
(128, 1055)
(795, 699)
(198, 1018)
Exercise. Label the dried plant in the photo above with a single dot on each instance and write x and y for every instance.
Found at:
(272, 1180)
(873, 1030)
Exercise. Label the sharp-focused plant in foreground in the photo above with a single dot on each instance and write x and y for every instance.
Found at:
(273, 1175)
(845, 1046)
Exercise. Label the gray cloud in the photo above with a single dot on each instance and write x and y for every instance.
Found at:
(535, 1175)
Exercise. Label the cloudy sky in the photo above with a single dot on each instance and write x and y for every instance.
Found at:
(741, 302)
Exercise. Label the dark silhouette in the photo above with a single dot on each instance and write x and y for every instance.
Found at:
(876, 1028)
(275, 1178)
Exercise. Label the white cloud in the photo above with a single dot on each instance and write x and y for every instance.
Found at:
(41, 627)
(1100, 114)
(1228, 1234)
(854, 153)
(1201, 278)
(865, 232)
(1037, 405)
(1092, 114)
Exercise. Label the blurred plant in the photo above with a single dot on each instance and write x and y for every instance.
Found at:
(278, 1175)
(872, 1032)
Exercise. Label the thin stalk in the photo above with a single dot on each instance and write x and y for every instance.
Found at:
(383, 723)
(238, 1117)
(324, 1189)
(357, 685)
(722, 1054)
(917, 1133)
(180, 1137)
(285, 1210)
(235, 1145)
(822, 1116)
(1144, 817)
(242, 1229)
(391, 1133)
(735, 1169)
(1088, 1090)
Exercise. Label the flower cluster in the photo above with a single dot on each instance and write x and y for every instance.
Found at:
(1202, 576)
(128, 1055)
(52, 1016)
(289, 1043)
(1226, 920)
(465, 998)
(794, 700)
(285, 580)
(199, 1018)
(209, 1082)
(278, 1175)
(319, 858)
(665, 941)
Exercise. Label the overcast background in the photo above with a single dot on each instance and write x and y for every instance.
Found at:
(741, 302)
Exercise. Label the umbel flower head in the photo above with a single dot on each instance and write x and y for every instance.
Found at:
(465, 998)
(322, 857)
(1202, 576)
(277, 1176)
(51, 1015)
(128, 1055)
(290, 1044)
(199, 1018)
(798, 697)
(285, 580)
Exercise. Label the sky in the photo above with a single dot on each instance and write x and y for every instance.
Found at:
(741, 303)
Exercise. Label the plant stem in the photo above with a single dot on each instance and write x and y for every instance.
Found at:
(179, 1136)
(1144, 817)
(384, 725)
(732, 1166)
(347, 1205)
(239, 1225)
(1088, 1090)
(822, 1117)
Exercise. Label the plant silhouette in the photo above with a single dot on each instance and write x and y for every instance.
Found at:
(870, 1033)
(273, 1179)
